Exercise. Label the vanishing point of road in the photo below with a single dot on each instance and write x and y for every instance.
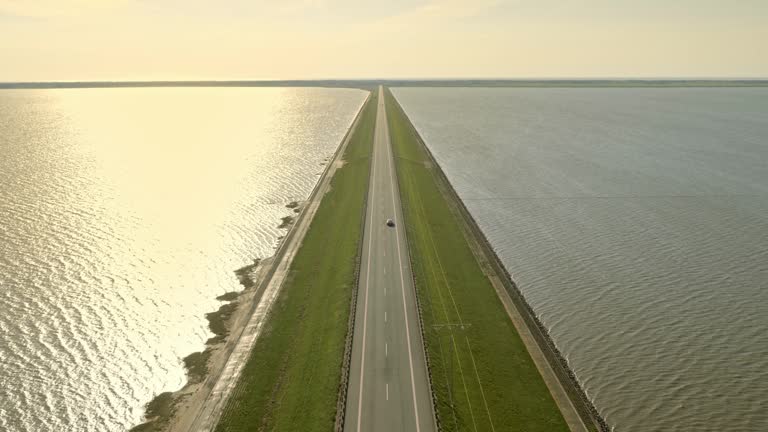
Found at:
(388, 384)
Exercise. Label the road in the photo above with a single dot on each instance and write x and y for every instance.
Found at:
(388, 385)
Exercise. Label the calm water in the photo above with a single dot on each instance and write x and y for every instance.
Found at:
(123, 214)
(635, 221)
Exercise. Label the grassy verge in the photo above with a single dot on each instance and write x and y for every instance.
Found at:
(291, 381)
(483, 378)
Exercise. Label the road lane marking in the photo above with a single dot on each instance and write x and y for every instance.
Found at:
(385, 316)
(402, 281)
(386, 350)
(387, 391)
(365, 307)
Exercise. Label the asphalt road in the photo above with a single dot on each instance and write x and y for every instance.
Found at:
(388, 385)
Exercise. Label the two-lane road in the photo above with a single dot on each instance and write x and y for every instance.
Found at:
(388, 387)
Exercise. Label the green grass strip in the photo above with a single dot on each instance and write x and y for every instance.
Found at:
(292, 377)
(482, 375)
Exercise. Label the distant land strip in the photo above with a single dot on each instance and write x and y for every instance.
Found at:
(367, 84)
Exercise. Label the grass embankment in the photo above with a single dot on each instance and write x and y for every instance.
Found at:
(291, 380)
(482, 375)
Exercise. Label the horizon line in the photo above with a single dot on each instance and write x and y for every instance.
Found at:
(347, 81)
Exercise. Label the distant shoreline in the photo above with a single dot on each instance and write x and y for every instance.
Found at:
(400, 83)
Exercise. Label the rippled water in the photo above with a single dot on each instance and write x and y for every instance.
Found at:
(123, 214)
(635, 221)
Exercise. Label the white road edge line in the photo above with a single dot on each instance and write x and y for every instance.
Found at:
(402, 281)
(365, 307)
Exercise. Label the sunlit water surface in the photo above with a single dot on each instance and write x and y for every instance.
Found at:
(635, 221)
(123, 214)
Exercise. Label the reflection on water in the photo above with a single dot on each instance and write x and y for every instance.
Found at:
(635, 221)
(123, 214)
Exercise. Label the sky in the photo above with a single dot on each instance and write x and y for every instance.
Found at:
(111, 40)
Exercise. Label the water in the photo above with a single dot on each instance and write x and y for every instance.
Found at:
(635, 222)
(123, 214)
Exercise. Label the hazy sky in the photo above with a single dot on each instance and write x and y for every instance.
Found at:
(304, 39)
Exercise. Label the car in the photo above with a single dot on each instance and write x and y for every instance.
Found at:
(390, 223)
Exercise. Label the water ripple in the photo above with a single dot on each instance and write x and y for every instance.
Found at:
(123, 214)
(635, 221)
